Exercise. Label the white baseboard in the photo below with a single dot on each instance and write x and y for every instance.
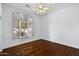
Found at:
(64, 43)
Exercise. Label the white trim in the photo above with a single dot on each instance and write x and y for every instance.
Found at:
(63, 43)
(20, 43)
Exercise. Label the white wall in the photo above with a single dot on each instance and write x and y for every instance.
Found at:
(49, 17)
(64, 26)
(8, 40)
(60, 26)
(0, 28)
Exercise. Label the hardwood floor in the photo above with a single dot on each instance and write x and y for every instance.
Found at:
(41, 48)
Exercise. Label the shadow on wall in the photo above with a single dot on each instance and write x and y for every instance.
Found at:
(64, 26)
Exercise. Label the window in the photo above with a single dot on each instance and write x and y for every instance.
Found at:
(22, 25)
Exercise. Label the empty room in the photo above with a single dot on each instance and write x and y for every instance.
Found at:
(39, 29)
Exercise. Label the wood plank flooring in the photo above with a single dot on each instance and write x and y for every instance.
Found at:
(41, 48)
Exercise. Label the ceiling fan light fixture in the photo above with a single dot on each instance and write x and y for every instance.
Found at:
(41, 10)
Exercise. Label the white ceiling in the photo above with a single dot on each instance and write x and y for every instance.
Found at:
(52, 6)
